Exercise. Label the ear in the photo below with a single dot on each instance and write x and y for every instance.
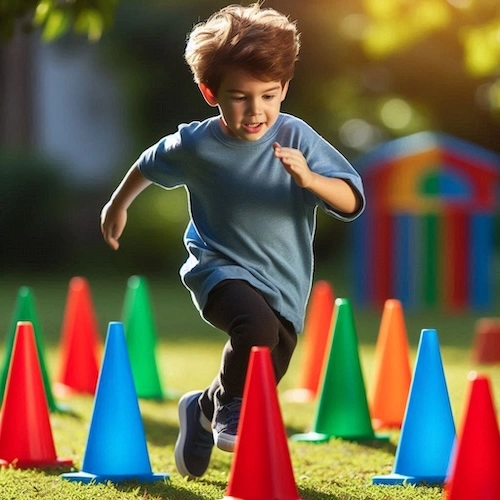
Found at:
(284, 90)
(208, 95)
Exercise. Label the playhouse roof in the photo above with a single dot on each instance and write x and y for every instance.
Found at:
(478, 157)
(423, 171)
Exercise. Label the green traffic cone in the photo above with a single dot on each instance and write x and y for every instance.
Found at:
(141, 339)
(342, 411)
(25, 310)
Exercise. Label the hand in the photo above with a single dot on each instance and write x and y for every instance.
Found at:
(295, 164)
(113, 221)
(336, 192)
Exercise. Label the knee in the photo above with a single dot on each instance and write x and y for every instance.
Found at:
(256, 330)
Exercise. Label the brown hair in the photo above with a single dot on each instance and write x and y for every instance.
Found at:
(263, 42)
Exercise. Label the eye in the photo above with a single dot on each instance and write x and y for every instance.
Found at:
(268, 97)
(238, 98)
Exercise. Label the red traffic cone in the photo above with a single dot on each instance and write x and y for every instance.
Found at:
(316, 340)
(261, 466)
(475, 466)
(25, 433)
(486, 347)
(80, 347)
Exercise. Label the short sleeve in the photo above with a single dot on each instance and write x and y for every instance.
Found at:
(162, 163)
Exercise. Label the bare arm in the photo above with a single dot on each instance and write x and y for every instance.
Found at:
(114, 213)
(337, 193)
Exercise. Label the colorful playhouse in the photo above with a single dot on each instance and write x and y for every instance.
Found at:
(426, 237)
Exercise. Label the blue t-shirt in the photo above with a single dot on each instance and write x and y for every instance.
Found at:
(248, 218)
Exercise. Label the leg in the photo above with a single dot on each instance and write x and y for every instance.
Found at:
(241, 311)
(238, 309)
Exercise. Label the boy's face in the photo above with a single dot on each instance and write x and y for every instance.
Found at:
(248, 107)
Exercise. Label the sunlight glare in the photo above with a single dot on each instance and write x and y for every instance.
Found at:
(460, 4)
(358, 134)
(354, 26)
(396, 113)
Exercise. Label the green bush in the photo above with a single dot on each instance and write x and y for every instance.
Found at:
(152, 240)
(31, 212)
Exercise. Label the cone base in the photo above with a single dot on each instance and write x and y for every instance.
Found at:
(400, 479)
(62, 408)
(299, 396)
(379, 424)
(317, 437)
(87, 477)
(310, 437)
(242, 498)
(37, 464)
(169, 395)
(64, 391)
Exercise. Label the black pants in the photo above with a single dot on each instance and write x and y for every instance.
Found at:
(241, 311)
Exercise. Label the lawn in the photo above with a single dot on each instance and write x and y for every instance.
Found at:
(188, 356)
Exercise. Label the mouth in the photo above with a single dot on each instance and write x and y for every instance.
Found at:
(252, 128)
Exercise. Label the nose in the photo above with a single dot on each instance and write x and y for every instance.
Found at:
(254, 107)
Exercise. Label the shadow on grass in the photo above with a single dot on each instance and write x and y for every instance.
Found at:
(166, 489)
(174, 491)
(54, 471)
(378, 445)
(171, 490)
(310, 494)
(382, 444)
(160, 432)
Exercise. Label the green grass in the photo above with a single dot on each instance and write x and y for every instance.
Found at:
(188, 355)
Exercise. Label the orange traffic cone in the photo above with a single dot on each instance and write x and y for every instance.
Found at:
(476, 460)
(80, 347)
(392, 374)
(25, 433)
(316, 340)
(261, 466)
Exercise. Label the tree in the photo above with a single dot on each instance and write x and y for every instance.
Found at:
(56, 17)
(378, 69)
(393, 25)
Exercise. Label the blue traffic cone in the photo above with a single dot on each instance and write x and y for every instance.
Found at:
(116, 447)
(428, 431)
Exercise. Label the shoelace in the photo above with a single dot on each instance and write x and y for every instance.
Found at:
(232, 410)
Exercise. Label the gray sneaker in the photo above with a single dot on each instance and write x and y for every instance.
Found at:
(194, 443)
(225, 423)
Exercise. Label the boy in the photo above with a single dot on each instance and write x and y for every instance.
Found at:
(254, 178)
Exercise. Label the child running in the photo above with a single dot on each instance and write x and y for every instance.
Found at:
(255, 178)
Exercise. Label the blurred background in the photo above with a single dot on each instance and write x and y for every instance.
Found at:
(94, 83)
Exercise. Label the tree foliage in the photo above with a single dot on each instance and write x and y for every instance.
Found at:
(388, 68)
(393, 25)
(384, 27)
(57, 17)
(369, 70)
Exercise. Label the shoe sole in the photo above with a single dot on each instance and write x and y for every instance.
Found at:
(225, 443)
(181, 438)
